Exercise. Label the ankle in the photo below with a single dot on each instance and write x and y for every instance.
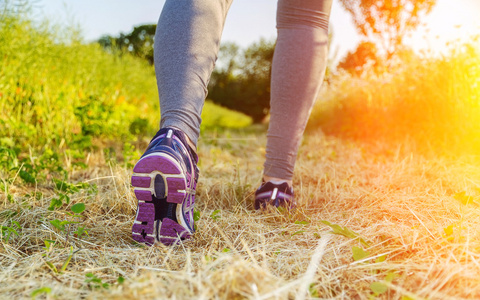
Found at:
(191, 144)
(189, 141)
(276, 180)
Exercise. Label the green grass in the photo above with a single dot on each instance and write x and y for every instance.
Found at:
(59, 94)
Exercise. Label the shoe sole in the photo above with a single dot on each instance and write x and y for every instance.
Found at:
(160, 185)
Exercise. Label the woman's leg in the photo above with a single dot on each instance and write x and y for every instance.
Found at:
(299, 64)
(165, 178)
(186, 46)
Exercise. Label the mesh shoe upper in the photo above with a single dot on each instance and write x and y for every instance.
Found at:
(164, 181)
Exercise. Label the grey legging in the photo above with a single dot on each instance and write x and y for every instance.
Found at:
(186, 46)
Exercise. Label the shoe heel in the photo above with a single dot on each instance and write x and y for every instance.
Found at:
(168, 183)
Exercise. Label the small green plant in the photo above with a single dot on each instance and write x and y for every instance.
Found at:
(64, 189)
(63, 226)
(301, 222)
(120, 279)
(39, 291)
(8, 158)
(28, 173)
(381, 287)
(312, 289)
(54, 269)
(345, 231)
(298, 232)
(216, 215)
(7, 231)
(4, 187)
(358, 253)
(93, 282)
(49, 245)
(196, 218)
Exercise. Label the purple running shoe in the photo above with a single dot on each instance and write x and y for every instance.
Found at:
(276, 195)
(164, 181)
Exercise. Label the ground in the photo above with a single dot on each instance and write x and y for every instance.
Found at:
(371, 222)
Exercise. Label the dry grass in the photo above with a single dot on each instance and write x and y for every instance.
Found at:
(400, 203)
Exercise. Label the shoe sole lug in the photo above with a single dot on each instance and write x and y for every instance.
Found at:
(160, 176)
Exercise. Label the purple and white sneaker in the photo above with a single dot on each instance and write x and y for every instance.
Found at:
(276, 195)
(164, 181)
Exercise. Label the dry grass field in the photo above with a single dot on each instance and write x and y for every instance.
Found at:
(402, 226)
(389, 197)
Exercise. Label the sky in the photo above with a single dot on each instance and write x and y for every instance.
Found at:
(249, 20)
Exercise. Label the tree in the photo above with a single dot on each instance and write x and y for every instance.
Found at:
(355, 62)
(387, 22)
(139, 42)
(242, 80)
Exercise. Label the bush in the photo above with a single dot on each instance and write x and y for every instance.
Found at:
(433, 101)
(57, 92)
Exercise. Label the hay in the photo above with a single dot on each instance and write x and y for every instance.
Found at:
(401, 205)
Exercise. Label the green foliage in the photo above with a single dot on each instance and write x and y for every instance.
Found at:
(196, 215)
(94, 282)
(378, 288)
(7, 231)
(242, 82)
(8, 158)
(215, 116)
(120, 279)
(139, 42)
(345, 231)
(63, 225)
(358, 253)
(301, 222)
(39, 291)
(312, 289)
(64, 189)
(381, 287)
(216, 215)
(64, 266)
(60, 96)
(78, 208)
(58, 89)
(196, 218)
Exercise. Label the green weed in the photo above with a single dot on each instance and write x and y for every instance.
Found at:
(65, 264)
(216, 215)
(7, 231)
(358, 253)
(337, 229)
(63, 226)
(39, 291)
(381, 287)
(93, 282)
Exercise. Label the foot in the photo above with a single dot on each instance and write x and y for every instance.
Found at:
(164, 181)
(276, 180)
(274, 194)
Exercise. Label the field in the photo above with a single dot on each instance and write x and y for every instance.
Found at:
(405, 230)
(387, 181)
